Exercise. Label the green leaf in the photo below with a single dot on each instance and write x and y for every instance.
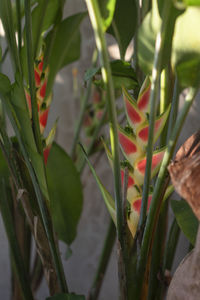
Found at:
(43, 16)
(66, 195)
(192, 2)
(66, 45)
(186, 50)
(107, 8)
(122, 72)
(108, 199)
(66, 297)
(0, 53)
(147, 36)
(124, 23)
(5, 85)
(186, 219)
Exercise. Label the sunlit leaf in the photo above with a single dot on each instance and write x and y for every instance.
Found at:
(124, 23)
(107, 8)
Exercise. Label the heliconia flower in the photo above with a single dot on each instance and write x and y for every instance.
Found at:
(140, 165)
(134, 215)
(144, 96)
(134, 115)
(132, 191)
(143, 130)
(43, 116)
(129, 146)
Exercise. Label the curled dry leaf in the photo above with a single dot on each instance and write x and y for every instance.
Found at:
(185, 172)
(185, 284)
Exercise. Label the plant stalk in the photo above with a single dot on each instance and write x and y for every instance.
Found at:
(97, 25)
(153, 98)
(31, 76)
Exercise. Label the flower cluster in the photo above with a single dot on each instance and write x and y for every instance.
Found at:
(43, 102)
(133, 142)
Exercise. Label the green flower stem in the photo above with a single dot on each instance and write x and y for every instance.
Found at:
(18, 262)
(83, 108)
(31, 76)
(104, 259)
(153, 97)
(174, 108)
(150, 224)
(19, 26)
(97, 25)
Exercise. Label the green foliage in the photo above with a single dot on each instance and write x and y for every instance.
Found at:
(122, 73)
(5, 85)
(66, 297)
(107, 8)
(44, 15)
(147, 36)
(65, 193)
(185, 219)
(64, 45)
(124, 23)
(186, 50)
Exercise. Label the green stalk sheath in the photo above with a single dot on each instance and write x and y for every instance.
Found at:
(104, 259)
(153, 97)
(14, 247)
(159, 185)
(83, 108)
(96, 21)
(31, 76)
(97, 25)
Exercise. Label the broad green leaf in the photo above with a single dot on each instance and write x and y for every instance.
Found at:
(66, 195)
(108, 199)
(66, 297)
(43, 16)
(186, 220)
(147, 36)
(124, 23)
(186, 47)
(107, 8)
(5, 85)
(66, 45)
(122, 72)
